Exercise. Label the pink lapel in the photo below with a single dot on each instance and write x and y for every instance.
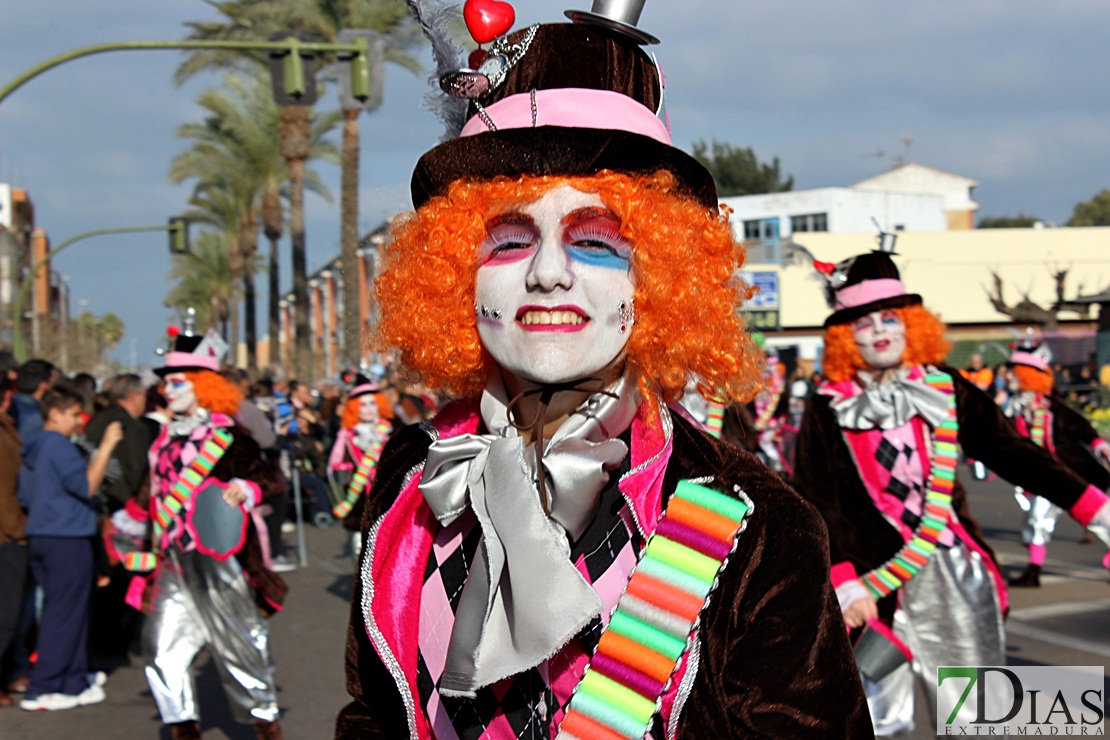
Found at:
(398, 556)
(652, 444)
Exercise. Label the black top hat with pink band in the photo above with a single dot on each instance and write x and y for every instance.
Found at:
(562, 99)
(188, 351)
(1031, 353)
(864, 284)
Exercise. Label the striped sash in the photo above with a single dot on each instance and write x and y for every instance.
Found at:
(365, 467)
(715, 421)
(913, 556)
(187, 483)
(652, 626)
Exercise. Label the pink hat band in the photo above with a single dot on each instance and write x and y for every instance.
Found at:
(188, 360)
(571, 107)
(360, 390)
(1030, 359)
(868, 291)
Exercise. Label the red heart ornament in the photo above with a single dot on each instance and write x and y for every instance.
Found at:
(488, 19)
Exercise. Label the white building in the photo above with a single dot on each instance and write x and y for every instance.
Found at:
(959, 208)
(771, 216)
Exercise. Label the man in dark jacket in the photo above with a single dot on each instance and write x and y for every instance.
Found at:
(114, 625)
(126, 397)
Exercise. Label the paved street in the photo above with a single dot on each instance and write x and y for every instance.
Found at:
(1062, 623)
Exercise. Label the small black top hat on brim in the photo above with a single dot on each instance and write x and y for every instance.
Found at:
(869, 282)
(576, 99)
(361, 385)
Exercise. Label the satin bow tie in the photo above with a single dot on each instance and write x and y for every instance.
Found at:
(890, 404)
(523, 599)
(185, 425)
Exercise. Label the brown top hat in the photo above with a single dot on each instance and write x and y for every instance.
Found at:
(563, 99)
(868, 282)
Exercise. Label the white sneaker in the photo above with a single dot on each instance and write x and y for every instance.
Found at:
(282, 564)
(288, 527)
(50, 702)
(92, 695)
(99, 678)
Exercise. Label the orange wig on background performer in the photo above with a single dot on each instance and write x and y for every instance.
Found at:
(1032, 379)
(215, 392)
(925, 344)
(350, 411)
(684, 263)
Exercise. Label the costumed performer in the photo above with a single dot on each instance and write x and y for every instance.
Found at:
(558, 554)
(877, 454)
(1046, 418)
(364, 428)
(210, 583)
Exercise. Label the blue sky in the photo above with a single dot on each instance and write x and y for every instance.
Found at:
(1011, 93)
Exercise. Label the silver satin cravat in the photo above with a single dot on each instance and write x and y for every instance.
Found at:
(523, 599)
(891, 404)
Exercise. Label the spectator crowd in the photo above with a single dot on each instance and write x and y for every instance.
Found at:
(75, 468)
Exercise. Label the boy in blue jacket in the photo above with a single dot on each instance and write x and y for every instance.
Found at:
(55, 487)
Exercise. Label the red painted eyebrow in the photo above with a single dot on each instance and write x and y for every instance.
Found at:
(513, 217)
(588, 212)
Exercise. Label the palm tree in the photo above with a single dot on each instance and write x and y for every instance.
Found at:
(238, 165)
(322, 19)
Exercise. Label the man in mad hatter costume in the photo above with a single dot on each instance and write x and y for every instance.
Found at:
(877, 455)
(209, 580)
(558, 554)
(1042, 415)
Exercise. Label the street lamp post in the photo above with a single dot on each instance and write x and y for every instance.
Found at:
(294, 49)
(19, 348)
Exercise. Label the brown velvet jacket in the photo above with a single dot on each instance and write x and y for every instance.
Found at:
(12, 518)
(1072, 436)
(775, 659)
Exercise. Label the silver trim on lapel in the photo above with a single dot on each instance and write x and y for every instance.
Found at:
(685, 686)
(377, 639)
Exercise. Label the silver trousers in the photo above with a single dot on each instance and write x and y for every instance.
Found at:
(1040, 520)
(202, 601)
(948, 615)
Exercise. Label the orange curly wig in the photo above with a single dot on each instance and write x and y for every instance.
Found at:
(215, 392)
(925, 344)
(1032, 379)
(350, 411)
(684, 263)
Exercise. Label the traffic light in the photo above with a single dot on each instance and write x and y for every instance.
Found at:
(361, 75)
(293, 71)
(179, 235)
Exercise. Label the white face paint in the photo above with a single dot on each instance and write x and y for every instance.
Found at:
(367, 408)
(554, 288)
(881, 339)
(181, 397)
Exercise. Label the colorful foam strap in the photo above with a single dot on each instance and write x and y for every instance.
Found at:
(651, 628)
(1040, 411)
(715, 420)
(913, 556)
(365, 467)
(187, 483)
